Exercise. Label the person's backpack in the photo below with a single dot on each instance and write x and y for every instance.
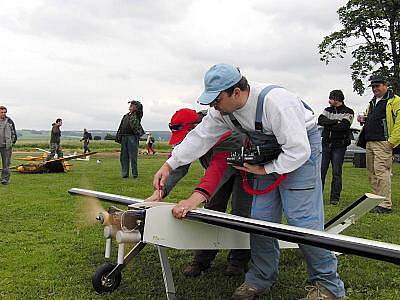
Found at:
(152, 140)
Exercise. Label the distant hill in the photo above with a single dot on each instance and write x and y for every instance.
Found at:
(30, 134)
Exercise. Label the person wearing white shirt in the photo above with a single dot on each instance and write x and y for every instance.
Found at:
(262, 109)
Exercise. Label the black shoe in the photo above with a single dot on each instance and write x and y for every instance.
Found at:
(4, 182)
(234, 270)
(126, 176)
(194, 269)
(334, 202)
(134, 177)
(381, 210)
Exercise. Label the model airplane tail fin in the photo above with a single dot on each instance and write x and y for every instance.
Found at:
(352, 213)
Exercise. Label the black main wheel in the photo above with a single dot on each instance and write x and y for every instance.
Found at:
(101, 284)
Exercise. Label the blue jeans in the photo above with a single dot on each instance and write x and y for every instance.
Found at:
(129, 153)
(336, 157)
(300, 197)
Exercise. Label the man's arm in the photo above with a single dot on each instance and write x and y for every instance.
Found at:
(213, 175)
(174, 177)
(207, 187)
(345, 123)
(287, 117)
(394, 138)
(14, 136)
(323, 120)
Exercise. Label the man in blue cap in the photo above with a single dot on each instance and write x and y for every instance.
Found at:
(262, 109)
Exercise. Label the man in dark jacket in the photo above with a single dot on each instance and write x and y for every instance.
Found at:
(336, 136)
(380, 136)
(8, 137)
(55, 140)
(128, 134)
(87, 136)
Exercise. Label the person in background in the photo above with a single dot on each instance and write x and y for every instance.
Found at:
(380, 136)
(128, 134)
(55, 140)
(336, 136)
(87, 136)
(8, 137)
(218, 184)
(150, 144)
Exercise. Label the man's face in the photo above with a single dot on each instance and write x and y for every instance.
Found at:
(379, 89)
(132, 107)
(226, 104)
(334, 102)
(59, 123)
(3, 113)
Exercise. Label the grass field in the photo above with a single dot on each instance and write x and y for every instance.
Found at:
(48, 251)
(69, 145)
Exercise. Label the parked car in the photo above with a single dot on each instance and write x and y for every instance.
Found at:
(353, 148)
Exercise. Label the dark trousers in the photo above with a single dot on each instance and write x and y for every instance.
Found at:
(336, 157)
(241, 206)
(129, 153)
(55, 148)
(5, 160)
(86, 148)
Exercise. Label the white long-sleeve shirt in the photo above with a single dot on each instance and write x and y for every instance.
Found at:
(284, 115)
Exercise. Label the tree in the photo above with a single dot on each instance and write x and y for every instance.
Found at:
(372, 29)
(97, 138)
(110, 137)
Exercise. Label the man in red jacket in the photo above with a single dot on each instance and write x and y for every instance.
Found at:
(219, 182)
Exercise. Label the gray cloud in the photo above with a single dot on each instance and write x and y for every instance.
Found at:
(84, 60)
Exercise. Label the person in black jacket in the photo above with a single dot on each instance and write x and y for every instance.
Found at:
(87, 136)
(336, 136)
(55, 140)
(128, 134)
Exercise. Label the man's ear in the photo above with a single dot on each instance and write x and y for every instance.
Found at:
(236, 92)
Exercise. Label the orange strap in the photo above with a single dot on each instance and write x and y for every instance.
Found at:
(268, 189)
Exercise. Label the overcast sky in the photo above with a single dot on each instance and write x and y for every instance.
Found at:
(83, 60)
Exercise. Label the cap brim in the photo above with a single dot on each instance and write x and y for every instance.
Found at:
(177, 137)
(207, 97)
(377, 82)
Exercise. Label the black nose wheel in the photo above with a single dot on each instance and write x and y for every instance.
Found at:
(103, 283)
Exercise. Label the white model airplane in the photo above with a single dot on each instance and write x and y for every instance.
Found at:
(152, 223)
(86, 158)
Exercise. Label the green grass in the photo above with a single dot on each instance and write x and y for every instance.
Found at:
(46, 251)
(76, 145)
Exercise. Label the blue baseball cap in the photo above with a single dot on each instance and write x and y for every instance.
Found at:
(219, 78)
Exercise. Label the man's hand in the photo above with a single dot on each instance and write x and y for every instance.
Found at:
(183, 207)
(161, 177)
(255, 169)
(390, 145)
(155, 197)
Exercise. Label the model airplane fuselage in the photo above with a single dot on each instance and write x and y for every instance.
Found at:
(58, 165)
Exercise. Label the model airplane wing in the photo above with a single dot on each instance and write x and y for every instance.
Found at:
(70, 157)
(43, 150)
(167, 238)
